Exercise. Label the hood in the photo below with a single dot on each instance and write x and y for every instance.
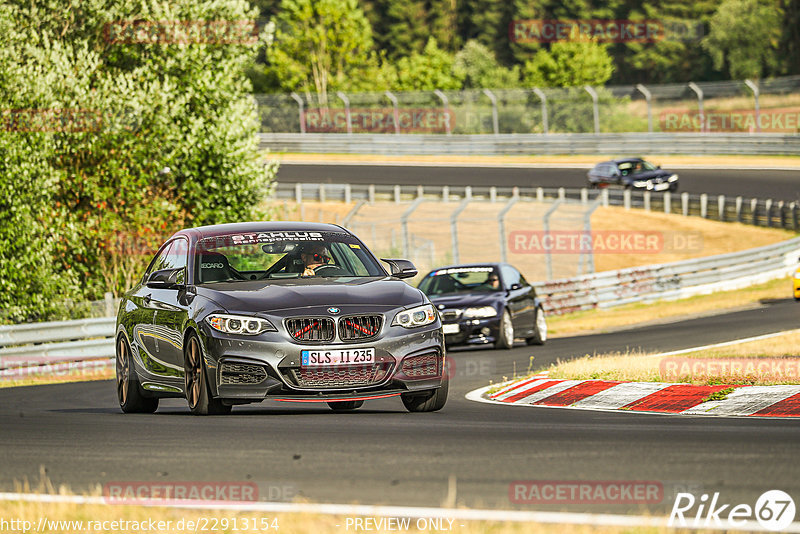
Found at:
(274, 295)
(464, 300)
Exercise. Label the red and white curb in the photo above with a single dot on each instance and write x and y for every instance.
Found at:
(644, 397)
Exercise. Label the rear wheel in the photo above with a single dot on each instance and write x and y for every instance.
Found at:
(505, 339)
(343, 406)
(129, 391)
(198, 393)
(539, 329)
(429, 401)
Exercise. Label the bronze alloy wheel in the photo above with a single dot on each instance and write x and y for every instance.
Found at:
(198, 394)
(129, 392)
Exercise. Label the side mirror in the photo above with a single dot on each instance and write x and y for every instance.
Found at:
(167, 278)
(515, 286)
(401, 268)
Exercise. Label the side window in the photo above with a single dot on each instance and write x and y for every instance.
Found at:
(510, 276)
(172, 256)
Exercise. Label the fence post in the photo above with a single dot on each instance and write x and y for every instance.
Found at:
(501, 223)
(538, 92)
(584, 196)
(446, 193)
(768, 211)
(108, 299)
(562, 194)
(595, 108)
(685, 204)
(348, 193)
(321, 193)
(420, 191)
(396, 194)
(371, 193)
(495, 124)
(454, 228)
(721, 207)
(446, 106)
(343, 98)
(301, 114)
(298, 193)
(647, 201)
(753, 87)
(699, 92)
(468, 192)
(546, 226)
(540, 194)
(793, 207)
(704, 205)
(604, 195)
(781, 217)
(754, 211)
(493, 194)
(587, 228)
(393, 99)
(647, 96)
(667, 202)
(404, 223)
(626, 198)
(738, 209)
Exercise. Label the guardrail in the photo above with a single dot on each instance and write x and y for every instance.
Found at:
(527, 144)
(754, 211)
(670, 280)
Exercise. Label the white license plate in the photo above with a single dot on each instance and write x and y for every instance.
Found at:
(322, 358)
(451, 328)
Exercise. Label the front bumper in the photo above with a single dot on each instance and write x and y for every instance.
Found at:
(472, 331)
(252, 369)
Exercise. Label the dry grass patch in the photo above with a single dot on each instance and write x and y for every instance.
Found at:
(631, 314)
(40, 380)
(651, 367)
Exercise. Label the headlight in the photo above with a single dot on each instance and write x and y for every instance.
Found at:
(481, 312)
(419, 316)
(239, 324)
(640, 183)
(673, 178)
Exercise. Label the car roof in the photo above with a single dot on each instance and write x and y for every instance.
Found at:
(459, 265)
(213, 230)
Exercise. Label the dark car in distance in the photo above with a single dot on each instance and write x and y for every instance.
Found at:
(486, 304)
(632, 173)
(239, 313)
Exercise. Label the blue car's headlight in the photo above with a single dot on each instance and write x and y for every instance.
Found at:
(480, 312)
(419, 316)
(239, 324)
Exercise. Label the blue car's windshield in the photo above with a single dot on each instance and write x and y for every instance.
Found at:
(461, 280)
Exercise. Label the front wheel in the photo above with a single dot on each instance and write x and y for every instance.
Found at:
(505, 338)
(343, 406)
(430, 401)
(539, 336)
(198, 394)
(129, 391)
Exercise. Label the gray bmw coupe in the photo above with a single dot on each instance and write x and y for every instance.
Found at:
(239, 313)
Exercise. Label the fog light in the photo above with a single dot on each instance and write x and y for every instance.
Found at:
(485, 331)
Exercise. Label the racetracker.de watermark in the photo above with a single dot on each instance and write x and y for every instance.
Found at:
(604, 242)
(603, 30)
(127, 492)
(211, 32)
(768, 120)
(586, 492)
(60, 120)
(380, 120)
(773, 369)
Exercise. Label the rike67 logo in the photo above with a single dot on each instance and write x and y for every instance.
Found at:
(774, 510)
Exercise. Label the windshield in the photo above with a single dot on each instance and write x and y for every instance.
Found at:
(461, 280)
(282, 254)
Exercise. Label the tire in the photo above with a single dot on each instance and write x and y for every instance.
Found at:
(344, 406)
(198, 393)
(505, 338)
(539, 336)
(430, 401)
(129, 392)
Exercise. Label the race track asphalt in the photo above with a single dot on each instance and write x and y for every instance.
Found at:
(749, 183)
(381, 454)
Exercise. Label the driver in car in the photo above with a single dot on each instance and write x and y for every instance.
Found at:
(314, 256)
(492, 282)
